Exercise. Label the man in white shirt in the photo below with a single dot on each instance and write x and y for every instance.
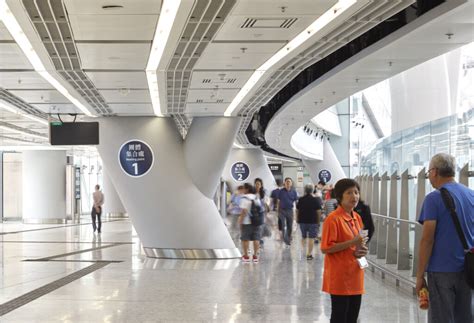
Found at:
(98, 198)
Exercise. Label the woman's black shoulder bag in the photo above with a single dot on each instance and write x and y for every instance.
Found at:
(469, 254)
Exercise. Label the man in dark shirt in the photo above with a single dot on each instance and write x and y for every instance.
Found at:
(274, 197)
(364, 211)
(287, 196)
(308, 216)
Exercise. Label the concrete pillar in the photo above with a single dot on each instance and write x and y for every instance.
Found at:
(44, 186)
(167, 202)
(257, 166)
(113, 206)
(330, 164)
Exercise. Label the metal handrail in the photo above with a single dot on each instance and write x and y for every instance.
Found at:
(395, 219)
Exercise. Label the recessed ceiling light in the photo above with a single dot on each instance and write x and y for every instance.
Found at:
(112, 7)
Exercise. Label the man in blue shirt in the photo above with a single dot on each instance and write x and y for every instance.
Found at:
(441, 251)
(287, 196)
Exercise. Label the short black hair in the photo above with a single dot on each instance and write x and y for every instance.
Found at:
(343, 185)
(289, 178)
(249, 188)
(321, 183)
(278, 182)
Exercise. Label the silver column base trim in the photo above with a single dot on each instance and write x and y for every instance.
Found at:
(164, 253)
(44, 221)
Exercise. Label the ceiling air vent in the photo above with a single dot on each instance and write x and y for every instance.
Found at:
(220, 101)
(199, 101)
(231, 81)
(206, 81)
(275, 23)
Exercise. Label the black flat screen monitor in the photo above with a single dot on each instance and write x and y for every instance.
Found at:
(74, 133)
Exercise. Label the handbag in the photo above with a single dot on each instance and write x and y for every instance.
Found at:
(469, 253)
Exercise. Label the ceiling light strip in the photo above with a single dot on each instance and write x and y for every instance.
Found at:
(334, 12)
(162, 33)
(20, 38)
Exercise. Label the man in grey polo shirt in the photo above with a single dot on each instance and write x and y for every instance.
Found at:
(287, 196)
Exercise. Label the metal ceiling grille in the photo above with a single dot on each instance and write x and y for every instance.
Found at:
(20, 104)
(205, 20)
(362, 21)
(22, 130)
(51, 22)
(274, 23)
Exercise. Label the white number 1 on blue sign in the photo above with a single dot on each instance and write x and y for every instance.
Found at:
(135, 168)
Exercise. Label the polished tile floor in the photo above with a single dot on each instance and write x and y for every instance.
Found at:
(284, 287)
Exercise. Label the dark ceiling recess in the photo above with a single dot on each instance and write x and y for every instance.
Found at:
(312, 73)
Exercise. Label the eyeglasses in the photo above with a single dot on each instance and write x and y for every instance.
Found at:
(428, 172)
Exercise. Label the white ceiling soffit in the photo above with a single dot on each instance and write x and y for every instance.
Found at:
(23, 81)
(415, 43)
(4, 34)
(107, 80)
(118, 56)
(353, 23)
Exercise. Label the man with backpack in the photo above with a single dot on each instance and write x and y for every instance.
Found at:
(251, 219)
(447, 244)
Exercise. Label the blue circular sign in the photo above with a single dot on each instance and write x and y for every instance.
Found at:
(324, 175)
(135, 158)
(240, 171)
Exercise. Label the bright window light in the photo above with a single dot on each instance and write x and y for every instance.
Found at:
(162, 33)
(20, 38)
(317, 25)
(17, 111)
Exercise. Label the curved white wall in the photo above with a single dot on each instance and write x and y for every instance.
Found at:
(112, 204)
(254, 158)
(330, 163)
(44, 186)
(425, 92)
(204, 157)
(165, 206)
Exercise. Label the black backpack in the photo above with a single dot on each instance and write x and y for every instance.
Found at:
(257, 213)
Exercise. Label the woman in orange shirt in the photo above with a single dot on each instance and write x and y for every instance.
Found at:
(342, 244)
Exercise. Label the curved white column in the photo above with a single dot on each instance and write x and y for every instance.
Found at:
(113, 205)
(254, 158)
(173, 218)
(203, 157)
(44, 186)
(425, 92)
(329, 162)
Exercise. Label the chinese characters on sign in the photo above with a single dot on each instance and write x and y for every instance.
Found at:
(240, 171)
(136, 158)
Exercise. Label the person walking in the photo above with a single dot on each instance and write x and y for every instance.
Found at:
(287, 196)
(98, 199)
(441, 252)
(249, 231)
(344, 247)
(308, 215)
